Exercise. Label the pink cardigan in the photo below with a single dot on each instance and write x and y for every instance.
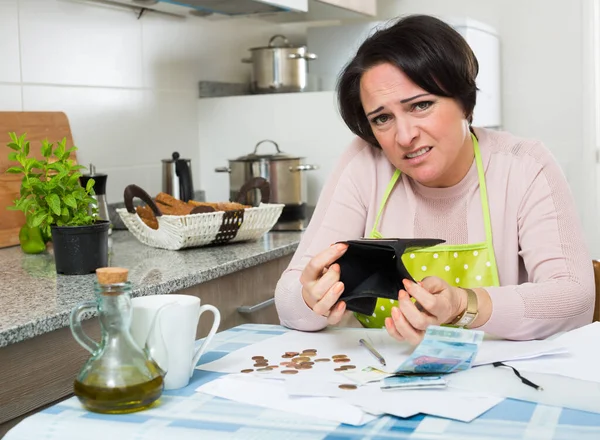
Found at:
(545, 269)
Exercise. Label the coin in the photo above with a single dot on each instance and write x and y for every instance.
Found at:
(272, 367)
(248, 370)
(347, 386)
(286, 364)
(291, 353)
(301, 359)
(309, 349)
(264, 369)
(348, 367)
(303, 367)
(307, 363)
(289, 372)
(322, 360)
(339, 369)
(255, 358)
(339, 356)
(261, 364)
(341, 360)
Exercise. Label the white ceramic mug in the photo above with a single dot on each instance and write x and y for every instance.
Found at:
(171, 341)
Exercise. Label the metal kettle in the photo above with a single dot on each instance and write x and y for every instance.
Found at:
(177, 177)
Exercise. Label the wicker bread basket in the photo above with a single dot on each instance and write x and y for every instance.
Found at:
(185, 231)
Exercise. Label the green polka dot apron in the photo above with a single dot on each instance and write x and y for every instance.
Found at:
(464, 265)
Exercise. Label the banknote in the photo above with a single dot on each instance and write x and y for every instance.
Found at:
(443, 350)
(425, 382)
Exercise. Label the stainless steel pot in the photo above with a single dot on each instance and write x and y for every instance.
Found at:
(277, 69)
(286, 178)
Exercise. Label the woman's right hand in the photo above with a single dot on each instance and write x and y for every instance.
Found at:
(321, 285)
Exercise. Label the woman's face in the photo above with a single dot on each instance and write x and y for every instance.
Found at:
(423, 135)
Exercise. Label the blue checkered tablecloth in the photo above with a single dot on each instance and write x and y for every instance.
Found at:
(184, 414)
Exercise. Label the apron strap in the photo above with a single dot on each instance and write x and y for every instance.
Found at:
(374, 232)
(487, 221)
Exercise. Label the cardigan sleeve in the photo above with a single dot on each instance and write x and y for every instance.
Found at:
(559, 293)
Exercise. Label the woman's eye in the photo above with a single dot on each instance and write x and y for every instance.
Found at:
(423, 105)
(381, 119)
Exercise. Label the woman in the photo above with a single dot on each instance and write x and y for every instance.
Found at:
(514, 264)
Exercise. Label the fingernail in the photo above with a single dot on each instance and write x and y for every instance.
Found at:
(341, 247)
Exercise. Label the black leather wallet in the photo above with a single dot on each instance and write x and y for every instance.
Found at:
(373, 268)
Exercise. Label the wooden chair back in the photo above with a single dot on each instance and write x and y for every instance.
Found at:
(596, 264)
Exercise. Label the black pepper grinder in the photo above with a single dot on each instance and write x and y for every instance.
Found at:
(100, 192)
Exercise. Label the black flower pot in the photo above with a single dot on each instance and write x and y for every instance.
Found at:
(80, 250)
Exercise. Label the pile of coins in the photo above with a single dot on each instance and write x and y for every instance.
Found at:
(297, 361)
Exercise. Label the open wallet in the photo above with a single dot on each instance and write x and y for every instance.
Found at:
(373, 268)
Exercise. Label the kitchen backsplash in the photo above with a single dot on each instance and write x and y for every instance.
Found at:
(129, 87)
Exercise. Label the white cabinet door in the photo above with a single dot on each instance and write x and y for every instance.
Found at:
(366, 7)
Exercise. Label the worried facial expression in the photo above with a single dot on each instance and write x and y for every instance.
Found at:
(423, 135)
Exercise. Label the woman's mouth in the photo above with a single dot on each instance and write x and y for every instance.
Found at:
(417, 156)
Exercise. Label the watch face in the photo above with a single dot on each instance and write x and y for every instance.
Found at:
(466, 320)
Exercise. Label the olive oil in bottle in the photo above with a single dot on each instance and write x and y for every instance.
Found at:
(119, 377)
(119, 400)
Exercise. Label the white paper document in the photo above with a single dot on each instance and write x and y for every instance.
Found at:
(582, 362)
(556, 390)
(452, 404)
(272, 394)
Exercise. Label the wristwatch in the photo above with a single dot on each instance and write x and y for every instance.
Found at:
(467, 317)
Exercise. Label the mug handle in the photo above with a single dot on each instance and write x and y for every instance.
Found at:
(211, 333)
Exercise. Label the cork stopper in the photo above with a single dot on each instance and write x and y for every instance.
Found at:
(112, 275)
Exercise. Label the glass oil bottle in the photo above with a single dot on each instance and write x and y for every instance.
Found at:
(119, 377)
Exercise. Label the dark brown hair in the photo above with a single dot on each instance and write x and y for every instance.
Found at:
(429, 51)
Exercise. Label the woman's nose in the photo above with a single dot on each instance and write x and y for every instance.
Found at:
(406, 132)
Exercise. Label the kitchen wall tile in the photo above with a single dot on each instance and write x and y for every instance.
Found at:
(108, 125)
(147, 177)
(172, 125)
(79, 44)
(9, 42)
(178, 53)
(10, 98)
(125, 130)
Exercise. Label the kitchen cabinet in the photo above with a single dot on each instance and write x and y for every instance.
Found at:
(366, 7)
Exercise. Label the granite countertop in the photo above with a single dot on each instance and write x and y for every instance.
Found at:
(35, 300)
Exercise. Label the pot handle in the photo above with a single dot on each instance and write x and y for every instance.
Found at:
(267, 140)
(298, 168)
(275, 37)
(255, 183)
(132, 191)
(222, 170)
(306, 56)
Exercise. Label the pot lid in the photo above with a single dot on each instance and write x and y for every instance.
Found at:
(273, 45)
(279, 155)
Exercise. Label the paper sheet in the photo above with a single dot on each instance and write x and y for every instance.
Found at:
(451, 404)
(272, 394)
(345, 341)
(582, 361)
(557, 390)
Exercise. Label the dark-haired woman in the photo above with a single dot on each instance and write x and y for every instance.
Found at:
(515, 262)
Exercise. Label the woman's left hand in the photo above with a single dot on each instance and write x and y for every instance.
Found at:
(440, 304)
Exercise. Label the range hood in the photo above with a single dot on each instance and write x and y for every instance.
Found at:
(220, 7)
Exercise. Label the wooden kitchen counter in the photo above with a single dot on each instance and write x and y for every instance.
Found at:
(39, 357)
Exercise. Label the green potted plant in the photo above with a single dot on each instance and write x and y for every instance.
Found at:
(55, 204)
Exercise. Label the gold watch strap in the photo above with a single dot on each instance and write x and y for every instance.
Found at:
(467, 317)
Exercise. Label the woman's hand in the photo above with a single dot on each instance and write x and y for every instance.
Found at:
(321, 285)
(440, 303)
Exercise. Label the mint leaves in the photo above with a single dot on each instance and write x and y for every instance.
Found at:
(51, 194)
